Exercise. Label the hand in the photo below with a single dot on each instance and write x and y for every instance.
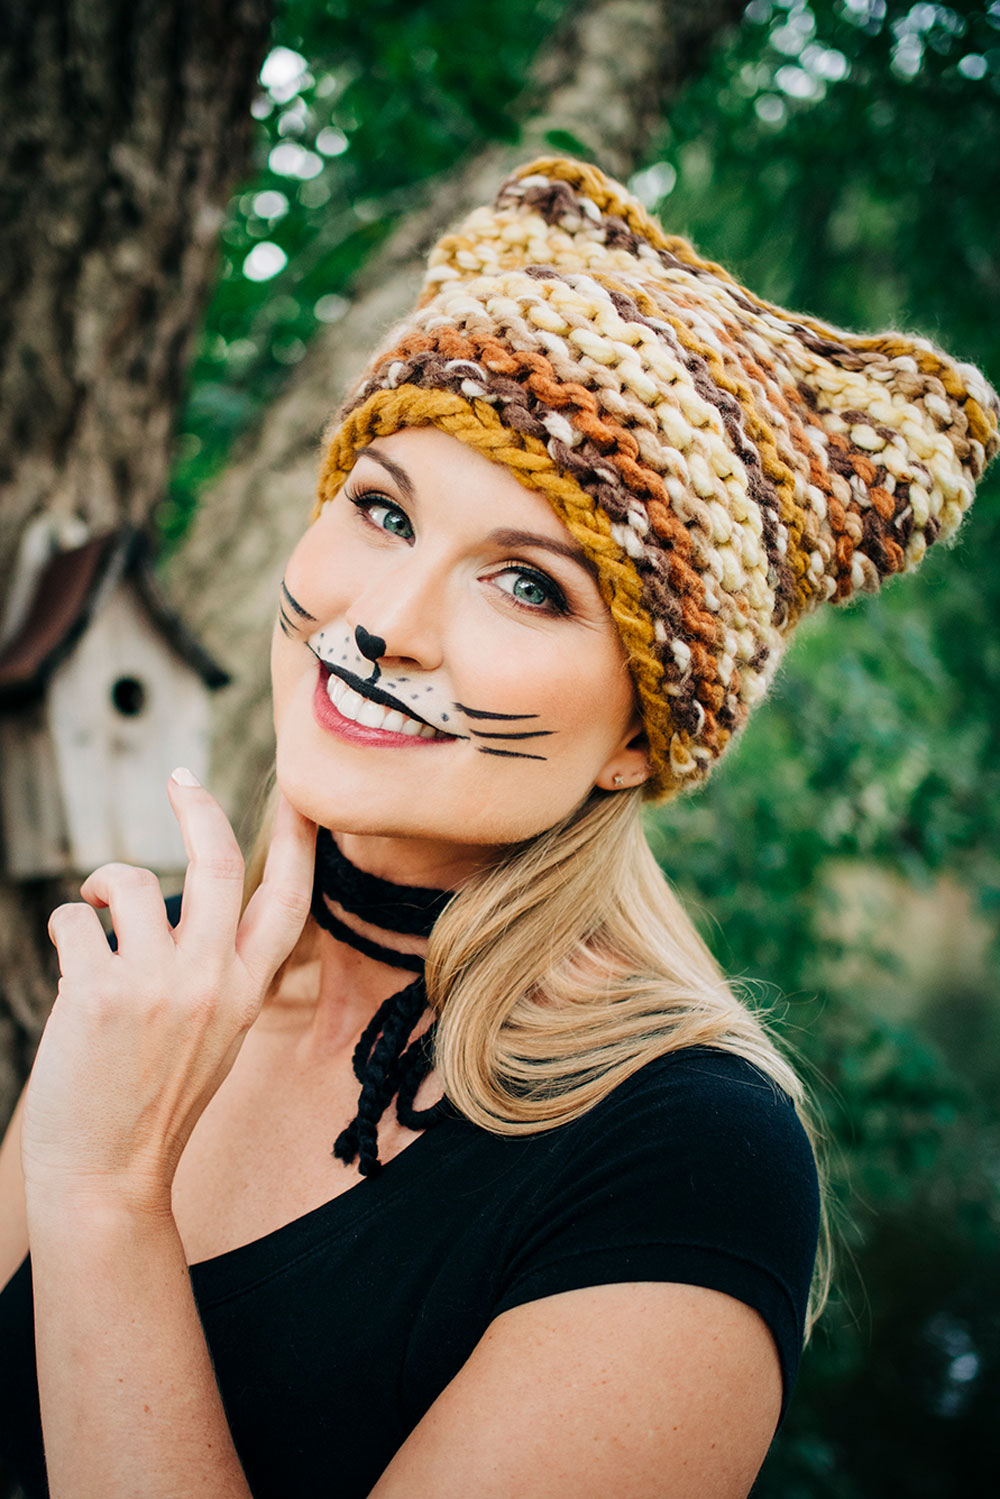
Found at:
(138, 1041)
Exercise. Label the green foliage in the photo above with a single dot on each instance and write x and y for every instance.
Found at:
(358, 104)
(845, 158)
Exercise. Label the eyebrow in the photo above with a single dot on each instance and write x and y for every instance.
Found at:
(509, 538)
(504, 537)
(400, 475)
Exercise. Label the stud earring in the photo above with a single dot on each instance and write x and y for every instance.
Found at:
(619, 780)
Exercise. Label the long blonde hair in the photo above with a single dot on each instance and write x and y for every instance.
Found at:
(567, 965)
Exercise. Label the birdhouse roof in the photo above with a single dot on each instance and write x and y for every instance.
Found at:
(68, 594)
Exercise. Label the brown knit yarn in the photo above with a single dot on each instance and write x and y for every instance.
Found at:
(728, 466)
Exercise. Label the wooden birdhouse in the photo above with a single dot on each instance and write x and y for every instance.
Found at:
(102, 693)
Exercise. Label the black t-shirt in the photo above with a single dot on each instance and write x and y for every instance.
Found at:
(333, 1335)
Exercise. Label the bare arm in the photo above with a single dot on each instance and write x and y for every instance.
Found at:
(128, 1395)
(643, 1391)
(13, 1220)
(136, 1045)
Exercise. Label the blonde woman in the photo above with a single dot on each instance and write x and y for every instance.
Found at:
(564, 1239)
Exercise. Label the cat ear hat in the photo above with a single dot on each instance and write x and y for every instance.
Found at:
(727, 466)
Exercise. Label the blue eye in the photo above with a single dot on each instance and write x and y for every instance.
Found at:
(532, 590)
(383, 513)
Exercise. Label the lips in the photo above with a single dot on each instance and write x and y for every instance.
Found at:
(371, 717)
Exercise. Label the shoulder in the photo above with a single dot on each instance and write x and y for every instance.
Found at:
(696, 1169)
(707, 1109)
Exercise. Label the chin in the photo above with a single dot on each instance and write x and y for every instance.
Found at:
(365, 804)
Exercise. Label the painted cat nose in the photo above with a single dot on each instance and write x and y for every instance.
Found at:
(370, 646)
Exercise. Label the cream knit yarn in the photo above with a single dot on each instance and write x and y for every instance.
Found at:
(728, 466)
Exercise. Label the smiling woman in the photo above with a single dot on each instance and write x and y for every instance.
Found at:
(565, 1243)
(496, 646)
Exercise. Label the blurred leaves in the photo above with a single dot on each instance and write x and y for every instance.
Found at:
(845, 158)
(358, 104)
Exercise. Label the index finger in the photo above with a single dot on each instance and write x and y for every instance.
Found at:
(213, 884)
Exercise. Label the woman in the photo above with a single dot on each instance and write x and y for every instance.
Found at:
(564, 1244)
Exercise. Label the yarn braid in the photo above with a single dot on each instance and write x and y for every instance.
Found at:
(386, 1063)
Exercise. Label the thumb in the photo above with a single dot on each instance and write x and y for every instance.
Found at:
(278, 908)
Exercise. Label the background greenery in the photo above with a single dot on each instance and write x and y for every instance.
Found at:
(843, 158)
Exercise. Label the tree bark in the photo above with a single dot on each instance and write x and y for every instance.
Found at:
(124, 124)
(607, 81)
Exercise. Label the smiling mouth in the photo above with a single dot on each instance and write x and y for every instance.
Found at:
(364, 703)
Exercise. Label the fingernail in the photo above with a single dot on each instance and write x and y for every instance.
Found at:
(184, 777)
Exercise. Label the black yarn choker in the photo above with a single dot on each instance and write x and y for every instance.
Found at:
(386, 1063)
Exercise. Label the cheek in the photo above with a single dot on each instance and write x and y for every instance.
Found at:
(316, 569)
(576, 684)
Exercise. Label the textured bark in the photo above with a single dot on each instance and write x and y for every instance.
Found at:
(124, 123)
(607, 80)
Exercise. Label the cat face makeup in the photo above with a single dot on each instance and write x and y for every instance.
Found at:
(444, 666)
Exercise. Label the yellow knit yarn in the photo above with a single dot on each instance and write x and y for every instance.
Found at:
(477, 425)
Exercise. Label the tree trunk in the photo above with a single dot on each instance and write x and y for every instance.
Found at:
(124, 123)
(607, 81)
(128, 120)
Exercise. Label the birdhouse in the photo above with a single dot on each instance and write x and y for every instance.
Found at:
(103, 691)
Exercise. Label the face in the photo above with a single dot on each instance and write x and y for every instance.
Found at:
(444, 667)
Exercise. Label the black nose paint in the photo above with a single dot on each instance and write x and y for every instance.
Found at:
(371, 647)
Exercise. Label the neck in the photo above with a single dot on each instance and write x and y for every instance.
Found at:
(415, 861)
(364, 892)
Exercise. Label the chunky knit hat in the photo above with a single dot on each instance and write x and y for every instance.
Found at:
(727, 466)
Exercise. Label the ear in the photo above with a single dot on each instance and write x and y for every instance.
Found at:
(629, 765)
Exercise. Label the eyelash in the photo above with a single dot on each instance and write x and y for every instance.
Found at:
(366, 500)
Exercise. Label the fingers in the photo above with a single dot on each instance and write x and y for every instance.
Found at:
(135, 900)
(213, 885)
(278, 909)
(78, 937)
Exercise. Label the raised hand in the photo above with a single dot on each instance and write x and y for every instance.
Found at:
(139, 1040)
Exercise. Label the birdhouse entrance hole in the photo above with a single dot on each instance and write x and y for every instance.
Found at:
(129, 696)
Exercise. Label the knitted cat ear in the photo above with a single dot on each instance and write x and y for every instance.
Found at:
(871, 445)
(726, 466)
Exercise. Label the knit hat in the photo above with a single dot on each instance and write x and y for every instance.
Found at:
(727, 466)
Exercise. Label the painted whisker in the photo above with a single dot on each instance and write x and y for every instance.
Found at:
(522, 734)
(487, 749)
(295, 605)
(481, 713)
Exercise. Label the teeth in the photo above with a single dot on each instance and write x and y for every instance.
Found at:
(371, 715)
(362, 710)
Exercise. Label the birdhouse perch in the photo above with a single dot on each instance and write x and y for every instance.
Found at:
(103, 691)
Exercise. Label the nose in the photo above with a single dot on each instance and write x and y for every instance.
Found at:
(398, 616)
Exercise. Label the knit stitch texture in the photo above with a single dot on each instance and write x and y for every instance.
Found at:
(726, 465)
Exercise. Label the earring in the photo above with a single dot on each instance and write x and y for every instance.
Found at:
(619, 780)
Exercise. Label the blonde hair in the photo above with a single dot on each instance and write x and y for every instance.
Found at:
(567, 965)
